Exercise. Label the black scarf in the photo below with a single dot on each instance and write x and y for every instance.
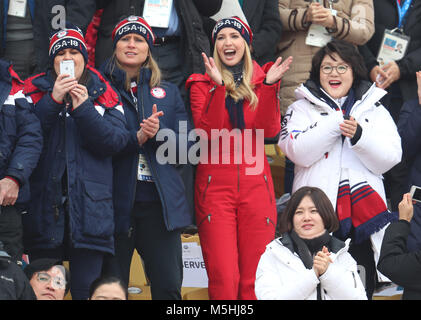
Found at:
(306, 248)
(235, 109)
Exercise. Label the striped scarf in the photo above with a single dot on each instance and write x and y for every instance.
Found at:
(359, 208)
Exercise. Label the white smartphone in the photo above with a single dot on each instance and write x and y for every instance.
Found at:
(415, 193)
(67, 67)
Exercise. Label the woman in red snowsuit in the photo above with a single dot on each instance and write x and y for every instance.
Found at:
(234, 199)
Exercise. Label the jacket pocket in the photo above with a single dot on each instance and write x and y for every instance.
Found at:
(98, 216)
(206, 188)
(267, 188)
(270, 222)
(208, 217)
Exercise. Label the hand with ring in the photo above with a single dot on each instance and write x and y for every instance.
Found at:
(79, 95)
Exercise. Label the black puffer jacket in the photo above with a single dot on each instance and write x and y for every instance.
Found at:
(14, 285)
(397, 264)
(387, 17)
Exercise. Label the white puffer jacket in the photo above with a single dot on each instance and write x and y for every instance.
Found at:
(312, 139)
(281, 275)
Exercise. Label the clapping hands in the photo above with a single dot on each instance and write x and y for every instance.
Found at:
(320, 15)
(321, 261)
(386, 75)
(211, 69)
(150, 126)
(278, 69)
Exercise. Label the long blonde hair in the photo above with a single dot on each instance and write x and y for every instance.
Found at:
(149, 63)
(245, 89)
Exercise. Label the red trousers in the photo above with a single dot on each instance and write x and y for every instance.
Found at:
(236, 218)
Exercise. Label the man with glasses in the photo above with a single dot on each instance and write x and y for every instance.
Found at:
(49, 279)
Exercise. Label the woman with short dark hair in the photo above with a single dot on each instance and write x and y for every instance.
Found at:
(306, 262)
(347, 52)
(108, 288)
(326, 211)
(342, 140)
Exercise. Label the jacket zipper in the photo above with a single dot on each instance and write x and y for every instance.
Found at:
(269, 220)
(68, 178)
(206, 189)
(135, 105)
(267, 187)
(155, 176)
(355, 281)
(210, 100)
(238, 178)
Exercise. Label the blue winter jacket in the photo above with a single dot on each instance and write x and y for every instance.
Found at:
(20, 132)
(168, 182)
(409, 127)
(77, 158)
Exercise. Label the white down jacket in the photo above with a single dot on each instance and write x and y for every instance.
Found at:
(312, 139)
(281, 275)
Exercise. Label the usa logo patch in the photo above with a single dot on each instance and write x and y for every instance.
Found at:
(61, 34)
(158, 93)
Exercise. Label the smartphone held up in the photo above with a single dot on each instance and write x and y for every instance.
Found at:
(67, 67)
(415, 193)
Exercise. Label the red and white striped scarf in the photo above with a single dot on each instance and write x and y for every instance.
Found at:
(360, 208)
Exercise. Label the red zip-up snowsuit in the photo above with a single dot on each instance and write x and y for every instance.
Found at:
(235, 211)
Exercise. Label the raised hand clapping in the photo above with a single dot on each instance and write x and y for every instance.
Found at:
(211, 69)
(278, 69)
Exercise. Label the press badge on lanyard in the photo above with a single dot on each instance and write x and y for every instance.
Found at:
(17, 8)
(143, 171)
(395, 43)
(157, 12)
(317, 35)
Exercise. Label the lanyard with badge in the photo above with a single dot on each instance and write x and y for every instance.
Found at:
(17, 8)
(143, 171)
(317, 35)
(395, 42)
(157, 12)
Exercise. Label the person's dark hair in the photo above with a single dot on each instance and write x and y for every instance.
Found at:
(320, 200)
(45, 264)
(348, 52)
(107, 280)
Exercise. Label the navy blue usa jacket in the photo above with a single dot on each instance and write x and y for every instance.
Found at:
(81, 142)
(409, 127)
(168, 182)
(20, 132)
